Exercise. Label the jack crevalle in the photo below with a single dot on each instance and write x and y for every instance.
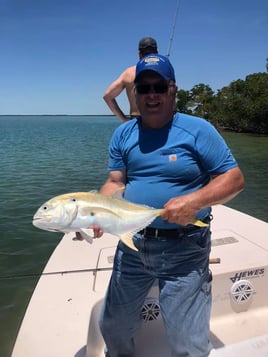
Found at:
(75, 212)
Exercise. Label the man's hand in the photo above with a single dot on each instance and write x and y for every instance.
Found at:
(97, 232)
(221, 188)
(179, 210)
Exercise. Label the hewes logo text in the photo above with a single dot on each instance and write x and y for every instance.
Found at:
(255, 273)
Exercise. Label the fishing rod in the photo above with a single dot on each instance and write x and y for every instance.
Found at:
(173, 29)
(38, 275)
(63, 272)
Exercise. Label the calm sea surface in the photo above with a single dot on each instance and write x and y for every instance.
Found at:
(43, 156)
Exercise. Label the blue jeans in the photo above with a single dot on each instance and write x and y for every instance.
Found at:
(181, 267)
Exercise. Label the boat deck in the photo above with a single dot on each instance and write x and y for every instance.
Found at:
(62, 317)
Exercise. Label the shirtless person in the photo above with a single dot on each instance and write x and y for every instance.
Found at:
(147, 45)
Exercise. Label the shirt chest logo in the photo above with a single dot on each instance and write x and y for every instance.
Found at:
(172, 158)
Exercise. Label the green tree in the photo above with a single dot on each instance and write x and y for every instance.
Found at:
(241, 106)
(201, 99)
(256, 95)
(183, 101)
(197, 101)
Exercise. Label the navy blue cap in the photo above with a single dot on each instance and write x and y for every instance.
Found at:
(157, 63)
(147, 42)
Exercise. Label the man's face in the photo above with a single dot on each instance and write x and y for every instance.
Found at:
(154, 95)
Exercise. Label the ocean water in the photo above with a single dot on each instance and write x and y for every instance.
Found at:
(40, 157)
(43, 156)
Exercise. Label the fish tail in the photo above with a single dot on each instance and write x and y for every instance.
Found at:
(199, 223)
(158, 212)
(127, 240)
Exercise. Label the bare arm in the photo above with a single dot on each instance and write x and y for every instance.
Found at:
(109, 96)
(220, 189)
(115, 89)
(116, 181)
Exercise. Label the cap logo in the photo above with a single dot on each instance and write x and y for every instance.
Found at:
(151, 59)
(157, 63)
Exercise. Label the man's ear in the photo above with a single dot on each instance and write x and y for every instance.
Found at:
(173, 90)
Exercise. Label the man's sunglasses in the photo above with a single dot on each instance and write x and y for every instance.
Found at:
(159, 88)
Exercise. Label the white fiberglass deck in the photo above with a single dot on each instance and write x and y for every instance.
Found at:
(62, 317)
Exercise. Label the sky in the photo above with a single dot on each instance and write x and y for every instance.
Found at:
(59, 56)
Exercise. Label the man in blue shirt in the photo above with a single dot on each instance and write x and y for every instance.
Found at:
(181, 163)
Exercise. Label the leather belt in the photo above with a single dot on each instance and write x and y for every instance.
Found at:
(162, 234)
(165, 233)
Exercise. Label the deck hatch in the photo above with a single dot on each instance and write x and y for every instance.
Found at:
(222, 241)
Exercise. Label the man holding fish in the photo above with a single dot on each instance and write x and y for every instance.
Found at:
(171, 168)
(180, 163)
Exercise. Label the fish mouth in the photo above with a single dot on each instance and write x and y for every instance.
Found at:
(45, 219)
(37, 220)
(40, 223)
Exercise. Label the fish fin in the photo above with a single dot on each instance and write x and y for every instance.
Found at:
(85, 233)
(119, 193)
(199, 223)
(126, 238)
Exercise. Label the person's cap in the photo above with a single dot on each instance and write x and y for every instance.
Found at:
(157, 63)
(147, 42)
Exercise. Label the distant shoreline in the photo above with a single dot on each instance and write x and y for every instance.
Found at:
(56, 115)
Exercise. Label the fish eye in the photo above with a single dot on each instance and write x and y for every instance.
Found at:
(92, 213)
(73, 199)
(45, 208)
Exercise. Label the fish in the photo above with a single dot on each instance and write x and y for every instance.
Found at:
(77, 211)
